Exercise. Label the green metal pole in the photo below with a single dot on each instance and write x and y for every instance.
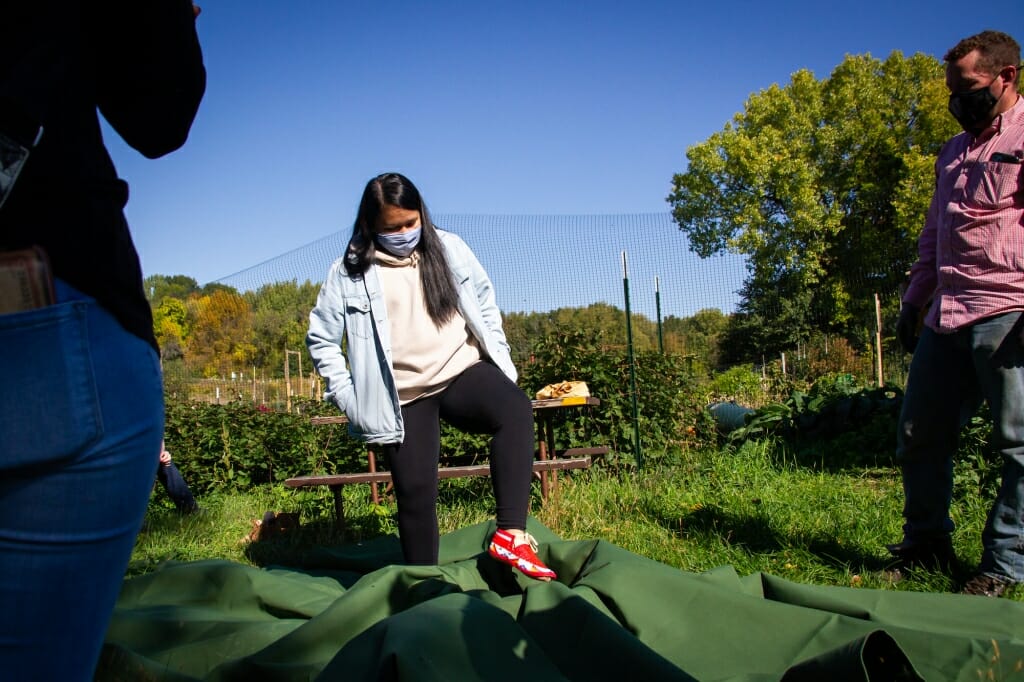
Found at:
(657, 307)
(632, 366)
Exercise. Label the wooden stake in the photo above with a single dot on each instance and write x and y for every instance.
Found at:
(878, 340)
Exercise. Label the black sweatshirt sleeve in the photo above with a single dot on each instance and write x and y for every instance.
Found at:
(149, 71)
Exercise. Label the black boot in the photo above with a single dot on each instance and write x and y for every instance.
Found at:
(933, 555)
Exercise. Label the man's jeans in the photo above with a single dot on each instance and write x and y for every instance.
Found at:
(950, 375)
(81, 420)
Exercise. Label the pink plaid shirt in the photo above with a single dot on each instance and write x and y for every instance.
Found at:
(971, 251)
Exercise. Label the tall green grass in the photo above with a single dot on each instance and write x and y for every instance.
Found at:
(755, 508)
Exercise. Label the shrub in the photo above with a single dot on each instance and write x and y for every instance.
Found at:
(237, 445)
(741, 384)
(835, 423)
(665, 396)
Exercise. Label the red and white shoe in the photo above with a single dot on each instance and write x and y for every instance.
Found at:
(519, 549)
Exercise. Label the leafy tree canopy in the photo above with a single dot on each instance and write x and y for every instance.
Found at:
(281, 318)
(603, 323)
(171, 326)
(159, 287)
(823, 185)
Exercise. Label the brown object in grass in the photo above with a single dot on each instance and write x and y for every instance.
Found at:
(272, 525)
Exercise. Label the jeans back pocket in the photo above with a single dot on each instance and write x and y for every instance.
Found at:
(49, 407)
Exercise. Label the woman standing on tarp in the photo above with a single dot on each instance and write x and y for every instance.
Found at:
(406, 332)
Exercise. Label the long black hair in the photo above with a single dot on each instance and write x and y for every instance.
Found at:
(393, 189)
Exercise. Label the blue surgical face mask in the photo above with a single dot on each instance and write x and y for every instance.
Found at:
(400, 244)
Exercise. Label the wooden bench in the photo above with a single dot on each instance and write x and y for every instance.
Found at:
(548, 462)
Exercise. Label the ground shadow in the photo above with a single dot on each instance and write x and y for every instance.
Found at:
(756, 534)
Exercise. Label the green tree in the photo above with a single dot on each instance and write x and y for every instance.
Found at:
(823, 185)
(159, 287)
(211, 287)
(603, 324)
(697, 336)
(522, 330)
(280, 321)
(606, 325)
(171, 327)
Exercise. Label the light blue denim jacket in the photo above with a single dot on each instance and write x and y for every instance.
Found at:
(360, 380)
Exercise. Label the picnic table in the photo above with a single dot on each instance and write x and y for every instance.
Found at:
(548, 461)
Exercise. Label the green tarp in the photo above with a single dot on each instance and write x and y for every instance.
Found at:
(351, 614)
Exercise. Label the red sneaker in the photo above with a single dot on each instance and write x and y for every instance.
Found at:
(520, 552)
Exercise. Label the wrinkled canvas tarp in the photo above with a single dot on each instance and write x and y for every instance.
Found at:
(351, 614)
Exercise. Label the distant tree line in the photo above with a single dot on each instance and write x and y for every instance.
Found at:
(213, 330)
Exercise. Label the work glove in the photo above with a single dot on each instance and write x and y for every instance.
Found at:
(906, 326)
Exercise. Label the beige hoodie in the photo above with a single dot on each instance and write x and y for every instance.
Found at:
(425, 358)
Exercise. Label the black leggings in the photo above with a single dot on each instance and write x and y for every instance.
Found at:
(481, 400)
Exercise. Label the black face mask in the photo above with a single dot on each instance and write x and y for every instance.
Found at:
(973, 108)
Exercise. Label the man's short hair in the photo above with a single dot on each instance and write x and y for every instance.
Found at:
(995, 50)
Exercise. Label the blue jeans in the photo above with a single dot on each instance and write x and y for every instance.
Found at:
(81, 420)
(950, 375)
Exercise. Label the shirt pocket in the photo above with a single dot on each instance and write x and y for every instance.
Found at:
(49, 404)
(358, 316)
(992, 184)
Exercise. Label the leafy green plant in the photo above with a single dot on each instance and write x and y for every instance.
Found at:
(664, 395)
(740, 383)
(237, 446)
(859, 423)
(977, 470)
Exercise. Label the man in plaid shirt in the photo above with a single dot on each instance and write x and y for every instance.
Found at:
(970, 270)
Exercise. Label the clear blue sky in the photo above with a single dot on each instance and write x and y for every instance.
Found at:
(525, 107)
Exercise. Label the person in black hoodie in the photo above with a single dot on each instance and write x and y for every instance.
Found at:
(174, 484)
(81, 398)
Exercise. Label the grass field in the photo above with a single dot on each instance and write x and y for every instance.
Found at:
(754, 508)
